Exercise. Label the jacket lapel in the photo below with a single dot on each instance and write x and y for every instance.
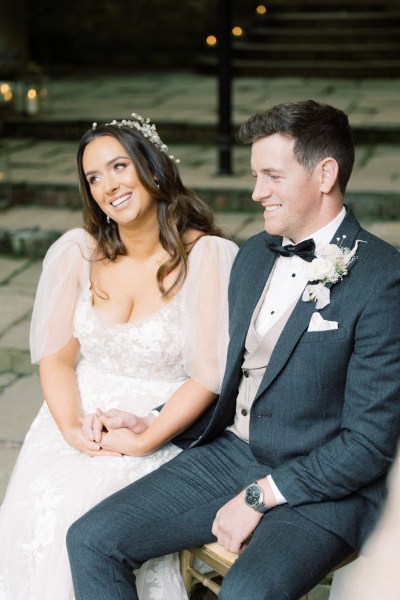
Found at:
(347, 233)
(301, 315)
(292, 332)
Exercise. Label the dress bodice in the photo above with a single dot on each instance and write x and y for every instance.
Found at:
(149, 349)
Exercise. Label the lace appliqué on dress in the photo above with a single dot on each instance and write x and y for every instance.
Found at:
(133, 367)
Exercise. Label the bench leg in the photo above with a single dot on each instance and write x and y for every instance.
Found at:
(186, 561)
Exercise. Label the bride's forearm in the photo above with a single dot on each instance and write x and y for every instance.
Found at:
(183, 409)
(61, 393)
(60, 389)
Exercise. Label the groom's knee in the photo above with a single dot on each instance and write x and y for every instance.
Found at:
(87, 537)
(243, 588)
(77, 539)
(259, 581)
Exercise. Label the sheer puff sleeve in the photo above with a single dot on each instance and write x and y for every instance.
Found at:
(64, 275)
(205, 309)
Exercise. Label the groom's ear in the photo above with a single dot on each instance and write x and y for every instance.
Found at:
(328, 172)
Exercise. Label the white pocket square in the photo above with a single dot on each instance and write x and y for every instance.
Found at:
(317, 323)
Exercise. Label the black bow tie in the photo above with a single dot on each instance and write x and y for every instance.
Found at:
(304, 250)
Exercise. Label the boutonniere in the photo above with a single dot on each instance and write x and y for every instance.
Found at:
(330, 266)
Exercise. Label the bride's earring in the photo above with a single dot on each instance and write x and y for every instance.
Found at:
(108, 220)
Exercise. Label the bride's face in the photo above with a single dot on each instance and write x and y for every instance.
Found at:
(114, 182)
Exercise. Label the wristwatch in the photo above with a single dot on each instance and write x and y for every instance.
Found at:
(254, 496)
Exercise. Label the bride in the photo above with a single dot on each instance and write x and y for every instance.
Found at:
(130, 317)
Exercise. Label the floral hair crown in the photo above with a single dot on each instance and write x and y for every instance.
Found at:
(147, 129)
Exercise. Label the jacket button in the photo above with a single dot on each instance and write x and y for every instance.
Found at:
(246, 373)
(244, 412)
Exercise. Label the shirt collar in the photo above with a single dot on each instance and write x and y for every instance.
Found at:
(323, 236)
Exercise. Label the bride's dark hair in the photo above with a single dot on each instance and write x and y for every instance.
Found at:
(178, 208)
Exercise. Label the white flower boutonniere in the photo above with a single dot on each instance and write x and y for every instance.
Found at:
(330, 266)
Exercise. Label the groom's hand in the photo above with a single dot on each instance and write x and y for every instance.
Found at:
(234, 523)
(120, 418)
(93, 425)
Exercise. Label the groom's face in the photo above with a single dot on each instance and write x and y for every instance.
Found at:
(290, 195)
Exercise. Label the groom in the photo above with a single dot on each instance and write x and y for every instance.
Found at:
(290, 469)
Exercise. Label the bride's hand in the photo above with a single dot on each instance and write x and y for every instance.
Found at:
(117, 419)
(75, 438)
(92, 428)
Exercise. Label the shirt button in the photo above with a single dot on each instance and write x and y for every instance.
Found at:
(244, 412)
(246, 373)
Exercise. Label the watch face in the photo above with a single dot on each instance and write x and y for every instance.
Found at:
(253, 494)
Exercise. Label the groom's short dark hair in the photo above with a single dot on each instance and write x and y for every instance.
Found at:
(319, 131)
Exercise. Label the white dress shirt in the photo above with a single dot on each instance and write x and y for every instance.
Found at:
(289, 278)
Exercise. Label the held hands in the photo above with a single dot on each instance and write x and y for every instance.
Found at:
(92, 428)
(119, 418)
(117, 431)
(77, 439)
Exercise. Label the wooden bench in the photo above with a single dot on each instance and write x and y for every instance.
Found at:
(219, 560)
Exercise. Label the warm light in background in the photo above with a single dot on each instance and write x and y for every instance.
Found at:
(5, 91)
(1, 175)
(211, 40)
(261, 9)
(32, 102)
(31, 95)
(237, 31)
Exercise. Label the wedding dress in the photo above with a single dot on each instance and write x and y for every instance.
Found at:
(134, 367)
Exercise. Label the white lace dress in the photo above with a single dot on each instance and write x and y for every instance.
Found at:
(134, 367)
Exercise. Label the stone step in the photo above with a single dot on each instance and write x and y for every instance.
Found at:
(182, 132)
(54, 128)
(329, 51)
(43, 225)
(43, 174)
(370, 68)
(318, 5)
(326, 34)
(340, 18)
(317, 39)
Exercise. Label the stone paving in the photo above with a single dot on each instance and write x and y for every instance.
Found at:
(50, 162)
(44, 170)
(186, 97)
